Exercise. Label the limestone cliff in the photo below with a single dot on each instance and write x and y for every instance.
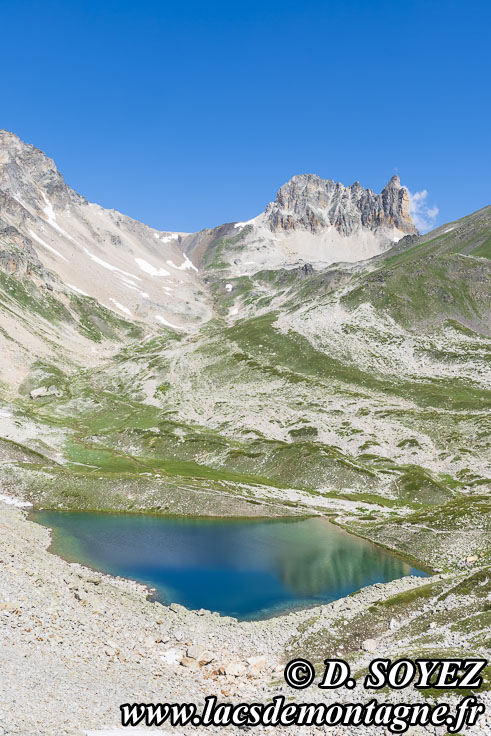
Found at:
(314, 204)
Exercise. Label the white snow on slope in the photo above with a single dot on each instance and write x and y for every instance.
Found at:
(147, 267)
(167, 238)
(50, 214)
(247, 222)
(121, 307)
(45, 245)
(167, 324)
(184, 266)
(75, 288)
(129, 285)
(109, 266)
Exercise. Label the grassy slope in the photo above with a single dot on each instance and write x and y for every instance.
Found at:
(447, 275)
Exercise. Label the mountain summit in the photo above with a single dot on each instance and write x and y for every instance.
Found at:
(311, 203)
(311, 220)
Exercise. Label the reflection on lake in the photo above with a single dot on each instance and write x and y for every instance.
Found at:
(247, 569)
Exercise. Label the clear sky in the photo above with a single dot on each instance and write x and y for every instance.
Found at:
(189, 114)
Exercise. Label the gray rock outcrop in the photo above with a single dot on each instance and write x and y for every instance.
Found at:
(311, 203)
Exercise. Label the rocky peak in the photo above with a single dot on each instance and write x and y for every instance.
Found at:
(393, 183)
(29, 176)
(308, 202)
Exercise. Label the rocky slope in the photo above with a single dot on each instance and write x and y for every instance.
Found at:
(77, 644)
(76, 279)
(137, 271)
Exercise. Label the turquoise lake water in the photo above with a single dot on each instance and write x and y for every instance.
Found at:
(247, 569)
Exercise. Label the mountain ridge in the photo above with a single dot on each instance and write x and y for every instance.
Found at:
(32, 188)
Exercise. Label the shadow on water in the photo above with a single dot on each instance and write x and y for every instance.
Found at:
(248, 569)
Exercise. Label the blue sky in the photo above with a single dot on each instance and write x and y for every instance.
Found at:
(186, 115)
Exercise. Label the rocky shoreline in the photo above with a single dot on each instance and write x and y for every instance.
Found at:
(76, 643)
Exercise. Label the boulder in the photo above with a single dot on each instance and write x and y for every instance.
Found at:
(38, 393)
(369, 645)
(200, 654)
(235, 669)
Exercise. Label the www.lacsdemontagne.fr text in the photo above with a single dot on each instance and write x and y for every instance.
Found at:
(279, 712)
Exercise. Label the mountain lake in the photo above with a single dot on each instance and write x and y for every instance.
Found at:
(248, 569)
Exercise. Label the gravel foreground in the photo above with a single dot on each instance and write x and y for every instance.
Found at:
(75, 644)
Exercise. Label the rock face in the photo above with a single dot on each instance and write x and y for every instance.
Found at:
(310, 203)
(17, 158)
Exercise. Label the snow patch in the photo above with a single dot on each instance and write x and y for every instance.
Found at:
(167, 324)
(85, 465)
(75, 288)
(121, 307)
(184, 266)
(229, 287)
(144, 294)
(148, 268)
(45, 245)
(128, 285)
(126, 280)
(109, 266)
(234, 311)
(247, 222)
(166, 238)
(50, 214)
(5, 414)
